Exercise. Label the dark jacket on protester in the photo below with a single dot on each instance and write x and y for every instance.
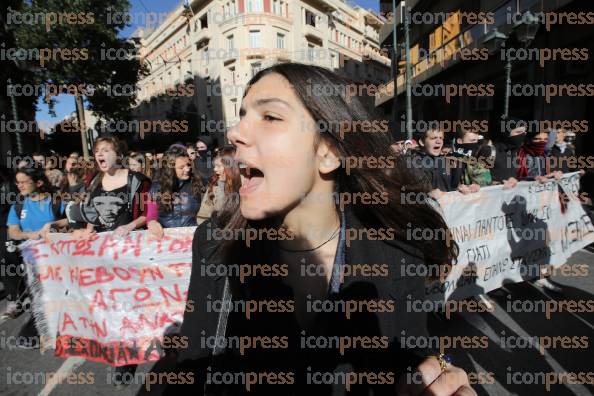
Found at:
(203, 163)
(442, 172)
(506, 152)
(184, 207)
(393, 357)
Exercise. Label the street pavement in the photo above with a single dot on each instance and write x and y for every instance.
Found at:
(496, 366)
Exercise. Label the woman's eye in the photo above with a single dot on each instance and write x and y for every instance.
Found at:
(268, 117)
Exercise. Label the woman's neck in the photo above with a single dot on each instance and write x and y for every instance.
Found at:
(311, 223)
(111, 172)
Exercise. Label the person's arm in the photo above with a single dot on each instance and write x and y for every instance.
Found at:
(131, 226)
(206, 209)
(48, 226)
(435, 381)
(84, 233)
(15, 233)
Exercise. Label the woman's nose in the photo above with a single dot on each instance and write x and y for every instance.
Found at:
(237, 134)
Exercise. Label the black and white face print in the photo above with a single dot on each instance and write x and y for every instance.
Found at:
(109, 208)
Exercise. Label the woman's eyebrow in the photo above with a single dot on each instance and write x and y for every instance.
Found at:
(264, 101)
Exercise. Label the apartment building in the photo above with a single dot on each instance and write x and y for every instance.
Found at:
(201, 57)
(449, 44)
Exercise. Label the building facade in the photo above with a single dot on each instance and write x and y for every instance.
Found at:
(449, 45)
(202, 56)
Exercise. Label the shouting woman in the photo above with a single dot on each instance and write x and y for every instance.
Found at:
(303, 287)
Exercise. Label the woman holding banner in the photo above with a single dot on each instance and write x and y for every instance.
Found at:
(175, 194)
(301, 230)
(117, 202)
(37, 209)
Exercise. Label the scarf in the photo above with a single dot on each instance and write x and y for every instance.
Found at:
(533, 149)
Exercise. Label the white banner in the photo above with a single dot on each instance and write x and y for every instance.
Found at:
(109, 299)
(120, 300)
(507, 235)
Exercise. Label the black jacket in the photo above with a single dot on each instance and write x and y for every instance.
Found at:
(505, 163)
(442, 172)
(390, 358)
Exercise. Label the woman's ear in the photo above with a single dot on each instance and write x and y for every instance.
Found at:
(329, 158)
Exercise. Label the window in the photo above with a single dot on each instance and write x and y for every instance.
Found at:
(234, 103)
(232, 71)
(275, 6)
(254, 6)
(233, 8)
(310, 18)
(204, 22)
(280, 41)
(333, 60)
(256, 67)
(230, 43)
(310, 52)
(254, 39)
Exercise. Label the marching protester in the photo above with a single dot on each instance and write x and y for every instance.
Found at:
(475, 155)
(506, 152)
(136, 162)
(175, 194)
(225, 181)
(74, 183)
(280, 115)
(429, 159)
(202, 163)
(116, 194)
(561, 151)
(117, 201)
(37, 209)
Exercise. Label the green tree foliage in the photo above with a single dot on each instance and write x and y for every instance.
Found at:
(73, 46)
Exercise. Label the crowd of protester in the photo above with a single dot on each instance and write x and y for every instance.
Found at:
(186, 184)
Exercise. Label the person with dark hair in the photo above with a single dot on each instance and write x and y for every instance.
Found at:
(175, 194)
(224, 182)
(506, 152)
(289, 146)
(117, 201)
(561, 150)
(475, 157)
(73, 185)
(442, 176)
(202, 163)
(117, 197)
(36, 210)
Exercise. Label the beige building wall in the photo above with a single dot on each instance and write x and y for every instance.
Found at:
(211, 52)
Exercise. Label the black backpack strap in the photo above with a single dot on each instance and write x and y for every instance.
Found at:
(18, 207)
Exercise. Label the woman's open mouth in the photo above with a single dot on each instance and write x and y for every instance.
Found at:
(101, 162)
(251, 178)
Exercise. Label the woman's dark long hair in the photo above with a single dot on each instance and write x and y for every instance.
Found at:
(335, 108)
(167, 179)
